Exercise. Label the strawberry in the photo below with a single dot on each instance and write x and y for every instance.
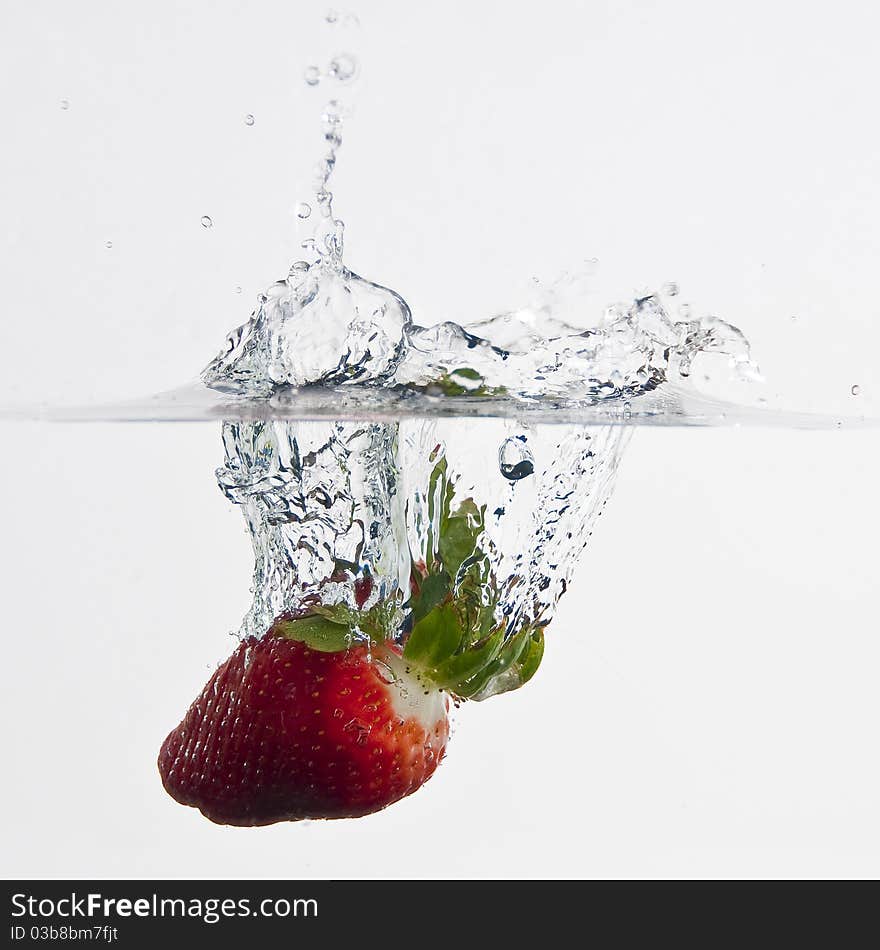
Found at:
(340, 710)
(283, 732)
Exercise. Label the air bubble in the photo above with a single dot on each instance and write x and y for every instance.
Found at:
(108, 244)
(343, 67)
(856, 389)
(303, 210)
(207, 222)
(332, 114)
(331, 16)
(320, 173)
(312, 76)
(249, 119)
(65, 104)
(515, 460)
(238, 290)
(670, 290)
(325, 202)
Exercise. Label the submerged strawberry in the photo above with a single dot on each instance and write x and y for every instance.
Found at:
(301, 724)
(283, 732)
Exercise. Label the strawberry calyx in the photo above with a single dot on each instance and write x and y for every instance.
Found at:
(448, 628)
(456, 639)
(334, 627)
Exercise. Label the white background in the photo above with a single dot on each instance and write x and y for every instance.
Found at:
(708, 702)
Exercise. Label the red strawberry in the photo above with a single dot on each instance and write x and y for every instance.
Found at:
(282, 732)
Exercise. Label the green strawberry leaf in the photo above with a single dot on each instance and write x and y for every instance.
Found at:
(455, 639)
(463, 381)
(433, 591)
(466, 372)
(495, 673)
(456, 671)
(316, 632)
(459, 534)
(434, 638)
(530, 659)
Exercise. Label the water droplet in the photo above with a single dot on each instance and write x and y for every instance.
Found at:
(65, 104)
(856, 389)
(325, 202)
(332, 114)
(670, 290)
(343, 67)
(249, 119)
(312, 75)
(207, 222)
(303, 210)
(515, 460)
(384, 672)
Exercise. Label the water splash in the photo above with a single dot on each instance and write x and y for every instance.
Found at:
(345, 514)
(331, 504)
(325, 325)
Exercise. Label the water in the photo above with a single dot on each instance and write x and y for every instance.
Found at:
(334, 508)
(324, 327)
(345, 448)
(357, 517)
(324, 342)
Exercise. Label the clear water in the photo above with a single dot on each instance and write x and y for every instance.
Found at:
(329, 504)
(325, 327)
(338, 411)
(344, 513)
